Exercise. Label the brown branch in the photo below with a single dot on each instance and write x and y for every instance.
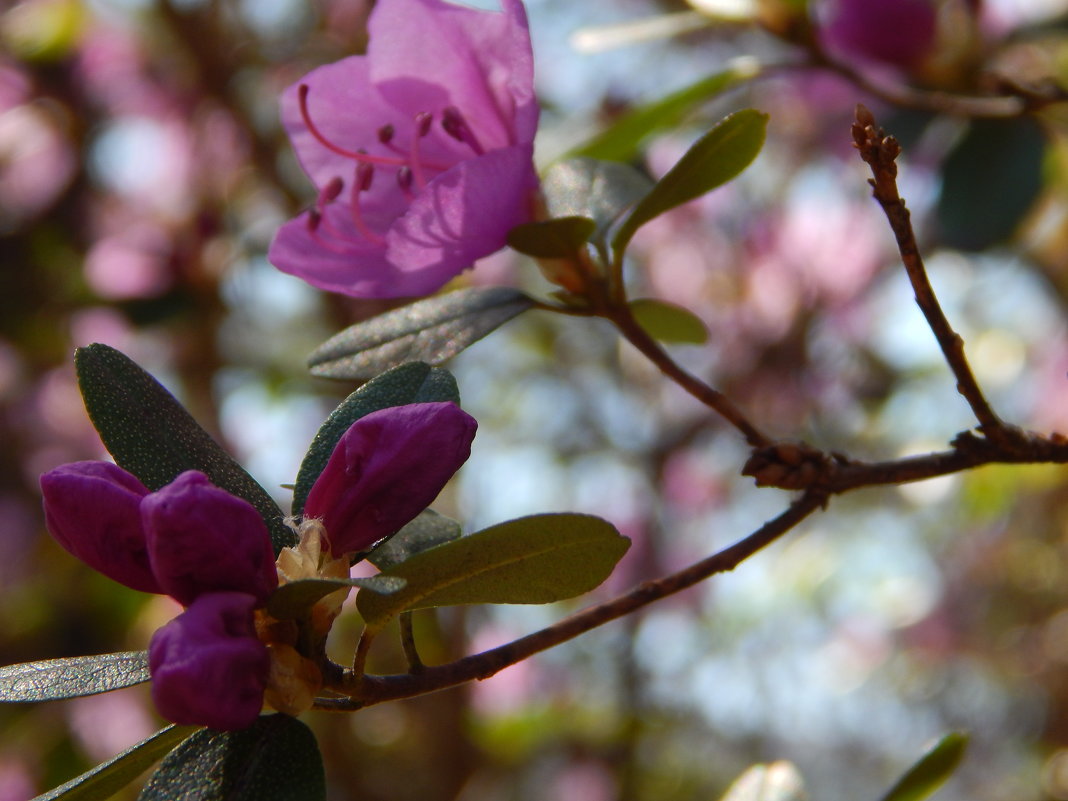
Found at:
(880, 152)
(620, 315)
(368, 690)
(1015, 100)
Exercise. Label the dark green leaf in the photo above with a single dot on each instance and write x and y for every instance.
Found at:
(108, 778)
(52, 679)
(668, 322)
(430, 330)
(428, 530)
(621, 140)
(990, 181)
(150, 434)
(415, 382)
(599, 190)
(552, 239)
(295, 598)
(275, 759)
(532, 560)
(715, 158)
(931, 771)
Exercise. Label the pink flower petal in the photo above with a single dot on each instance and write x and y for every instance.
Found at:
(203, 539)
(386, 469)
(208, 667)
(92, 510)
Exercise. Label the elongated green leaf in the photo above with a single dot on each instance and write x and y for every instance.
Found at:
(621, 140)
(599, 190)
(415, 382)
(75, 676)
(990, 181)
(430, 330)
(668, 322)
(532, 560)
(933, 768)
(428, 530)
(295, 598)
(108, 778)
(275, 759)
(150, 434)
(714, 159)
(552, 239)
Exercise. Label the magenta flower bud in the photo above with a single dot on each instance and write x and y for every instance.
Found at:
(386, 469)
(203, 539)
(897, 32)
(92, 510)
(444, 103)
(208, 668)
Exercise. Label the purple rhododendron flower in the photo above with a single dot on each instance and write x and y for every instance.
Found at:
(207, 665)
(379, 476)
(203, 546)
(212, 552)
(231, 550)
(896, 32)
(93, 510)
(421, 150)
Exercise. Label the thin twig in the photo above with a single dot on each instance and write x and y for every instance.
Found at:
(636, 335)
(367, 690)
(880, 152)
(411, 653)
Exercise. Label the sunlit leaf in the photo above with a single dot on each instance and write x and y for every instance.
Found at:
(295, 598)
(714, 159)
(430, 330)
(428, 530)
(108, 778)
(552, 239)
(408, 383)
(778, 781)
(668, 322)
(150, 434)
(275, 759)
(931, 771)
(75, 676)
(532, 560)
(621, 140)
(599, 190)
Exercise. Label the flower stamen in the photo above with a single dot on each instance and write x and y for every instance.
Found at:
(365, 174)
(455, 125)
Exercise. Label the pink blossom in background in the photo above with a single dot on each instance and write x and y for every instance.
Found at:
(900, 33)
(421, 150)
(37, 161)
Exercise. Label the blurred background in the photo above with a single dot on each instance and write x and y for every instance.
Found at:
(142, 174)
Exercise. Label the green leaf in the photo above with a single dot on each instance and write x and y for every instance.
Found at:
(599, 190)
(415, 382)
(427, 531)
(933, 768)
(275, 759)
(621, 140)
(150, 434)
(294, 599)
(532, 560)
(430, 330)
(108, 778)
(990, 181)
(72, 677)
(552, 239)
(668, 322)
(715, 158)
